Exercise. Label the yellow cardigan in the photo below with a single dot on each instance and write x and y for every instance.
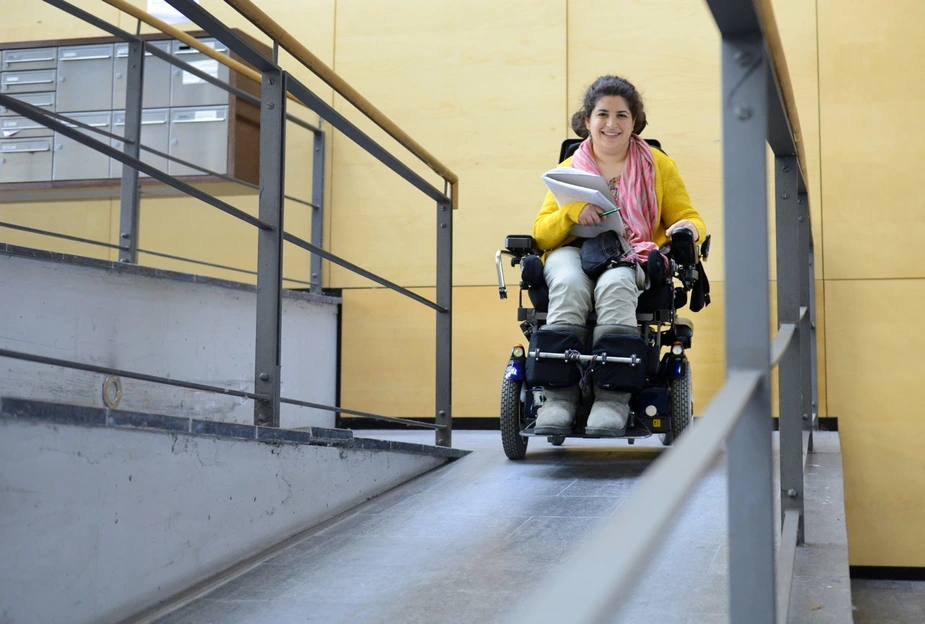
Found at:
(552, 225)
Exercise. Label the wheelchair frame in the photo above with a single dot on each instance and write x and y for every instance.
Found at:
(664, 405)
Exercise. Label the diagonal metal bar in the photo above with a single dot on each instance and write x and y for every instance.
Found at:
(781, 342)
(76, 239)
(71, 122)
(606, 569)
(217, 29)
(105, 370)
(298, 242)
(19, 107)
(340, 410)
(786, 560)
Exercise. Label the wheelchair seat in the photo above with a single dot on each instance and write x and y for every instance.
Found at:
(655, 298)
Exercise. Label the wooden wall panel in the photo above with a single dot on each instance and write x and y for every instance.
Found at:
(479, 84)
(872, 143)
(30, 20)
(388, 351)
(872, 374)
(670, 51)
(92, 220)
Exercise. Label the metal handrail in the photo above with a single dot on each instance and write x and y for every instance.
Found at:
(179, 383)
(608, 561)
(776, 47)
(604, 571)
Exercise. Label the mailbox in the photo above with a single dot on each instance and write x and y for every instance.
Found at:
(199, 136)
(25, 161)
(75, 161)
(187, 89)
(85, 78)
(154, 133)
(41, 100)
(156, 87)
(34, 58)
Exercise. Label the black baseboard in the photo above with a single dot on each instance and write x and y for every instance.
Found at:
(887, 573)
(491, 424)
(825, 424)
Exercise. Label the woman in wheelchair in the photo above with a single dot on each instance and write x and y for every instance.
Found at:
(653, 203)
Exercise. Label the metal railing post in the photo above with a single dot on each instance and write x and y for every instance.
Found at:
(270, 247)
(791, 259)
(444, 381)
(318, 208)
(752, 596)
(130, 192)
(808, 326)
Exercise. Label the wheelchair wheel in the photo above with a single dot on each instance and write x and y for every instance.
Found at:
(515, 445)
(681, 408)
(556, 440)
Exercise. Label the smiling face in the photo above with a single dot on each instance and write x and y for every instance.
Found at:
(610, 126)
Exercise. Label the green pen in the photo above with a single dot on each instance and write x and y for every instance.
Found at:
(609, 212)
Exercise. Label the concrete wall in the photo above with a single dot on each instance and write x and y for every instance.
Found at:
(98, 523)
(170, 326)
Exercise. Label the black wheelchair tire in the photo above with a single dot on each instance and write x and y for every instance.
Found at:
(515, 445)
(681, 405)
(556, 440)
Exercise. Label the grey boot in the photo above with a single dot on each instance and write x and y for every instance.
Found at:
(557, 415)
(609, 413)
(611, 409)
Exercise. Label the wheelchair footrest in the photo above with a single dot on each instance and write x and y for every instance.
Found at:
(635, 431)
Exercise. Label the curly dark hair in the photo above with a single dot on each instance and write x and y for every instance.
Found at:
(603, 87)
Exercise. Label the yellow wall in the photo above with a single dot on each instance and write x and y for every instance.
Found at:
(870, 203)
(488, 88)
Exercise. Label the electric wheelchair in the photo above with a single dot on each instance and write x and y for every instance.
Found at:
(652, 366)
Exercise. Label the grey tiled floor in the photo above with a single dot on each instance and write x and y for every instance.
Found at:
(888, 602)
(467, 542)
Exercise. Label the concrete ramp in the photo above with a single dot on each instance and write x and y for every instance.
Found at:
(106, 513)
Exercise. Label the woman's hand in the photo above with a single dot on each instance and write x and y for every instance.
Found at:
(682, 224)
(590, 215)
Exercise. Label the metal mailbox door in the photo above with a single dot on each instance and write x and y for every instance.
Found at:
(199, 136)
(154, 134)
(156, 88)
(25, 161)
(42, 100)
(85, 78)
(27, 81)
(36, 58)
(75, 161)
(22, 128)
(187, 89)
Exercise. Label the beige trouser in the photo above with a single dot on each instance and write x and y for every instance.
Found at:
(572, 292)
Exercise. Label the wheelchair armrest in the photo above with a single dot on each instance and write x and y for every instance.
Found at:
(520, 244)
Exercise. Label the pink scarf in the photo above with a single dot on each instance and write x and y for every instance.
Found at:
(639, 207)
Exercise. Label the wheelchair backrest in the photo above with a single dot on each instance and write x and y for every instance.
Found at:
(570, 145)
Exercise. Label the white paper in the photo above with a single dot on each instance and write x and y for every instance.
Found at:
(165, 12)
(570, 185)
(209, 66)
(206, 115)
